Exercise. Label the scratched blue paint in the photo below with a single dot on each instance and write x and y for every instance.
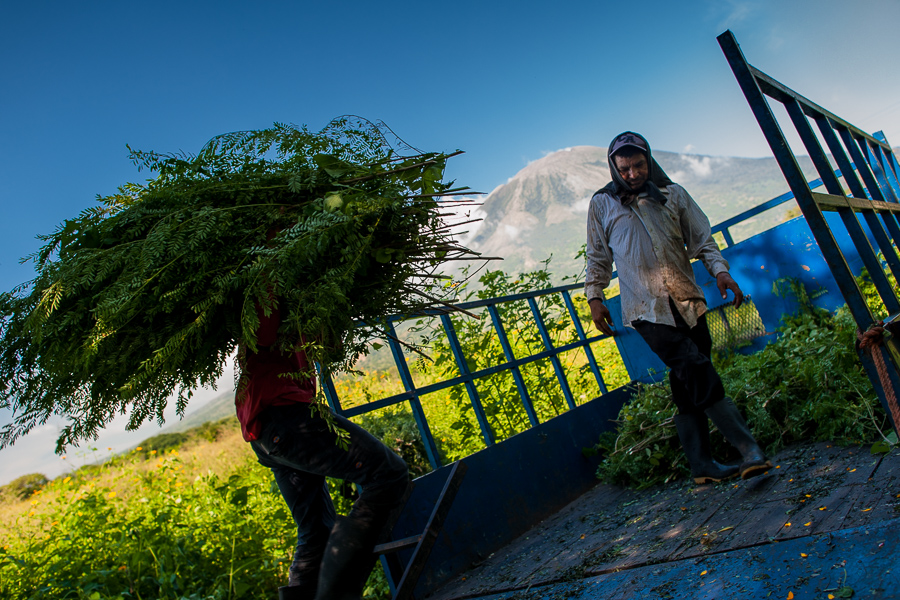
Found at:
(863, 559)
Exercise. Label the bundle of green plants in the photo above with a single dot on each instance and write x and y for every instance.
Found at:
(143, 297)
(808, 385)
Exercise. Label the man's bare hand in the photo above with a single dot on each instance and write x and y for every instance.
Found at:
(724, 282)
(601, 317)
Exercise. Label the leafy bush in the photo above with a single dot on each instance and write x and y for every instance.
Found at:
(210, 537)
(23, 487)
(808, 385)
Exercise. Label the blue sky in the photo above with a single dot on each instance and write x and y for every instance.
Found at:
(507, 82)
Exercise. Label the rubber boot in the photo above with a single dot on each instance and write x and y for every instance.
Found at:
(296, 592)
(348, 557)
(733, 426)
(693, 431)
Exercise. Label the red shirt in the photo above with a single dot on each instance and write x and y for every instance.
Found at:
(264, 387)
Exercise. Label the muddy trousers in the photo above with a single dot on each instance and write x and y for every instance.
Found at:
(685, 350)
(301, 452)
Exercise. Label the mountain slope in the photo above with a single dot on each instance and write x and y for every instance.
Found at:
(543, 208)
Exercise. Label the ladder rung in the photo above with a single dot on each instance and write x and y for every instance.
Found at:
(397, 545)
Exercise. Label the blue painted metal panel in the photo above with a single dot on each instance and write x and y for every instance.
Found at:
(508, 488)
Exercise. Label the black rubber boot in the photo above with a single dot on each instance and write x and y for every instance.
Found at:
(348, 557)
(733, 426)
(693, 431)
(296, 592)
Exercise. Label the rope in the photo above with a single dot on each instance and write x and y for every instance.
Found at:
(871, 341)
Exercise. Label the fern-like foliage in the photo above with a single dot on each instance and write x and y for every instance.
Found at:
(143, 298)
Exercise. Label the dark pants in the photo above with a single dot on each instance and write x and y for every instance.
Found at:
(301, 452)
(685, 350)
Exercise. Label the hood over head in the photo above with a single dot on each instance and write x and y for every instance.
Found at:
(656, 179)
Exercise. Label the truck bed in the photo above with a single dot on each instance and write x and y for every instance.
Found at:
(824, 520)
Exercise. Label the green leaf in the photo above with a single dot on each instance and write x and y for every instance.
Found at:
(239, 496)
(333, 165)
(880, 447)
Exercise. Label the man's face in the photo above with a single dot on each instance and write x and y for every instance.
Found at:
(634, 170)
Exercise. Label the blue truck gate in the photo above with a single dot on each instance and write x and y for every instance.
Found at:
(512, 485)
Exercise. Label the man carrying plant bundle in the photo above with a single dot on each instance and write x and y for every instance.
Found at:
(651, 228)
(261, 242)
(273, 403)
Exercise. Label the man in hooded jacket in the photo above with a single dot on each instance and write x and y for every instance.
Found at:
(651, 228)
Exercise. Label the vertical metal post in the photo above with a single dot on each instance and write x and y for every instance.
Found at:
(794, 175)
(729, 241)
(463, 366)
(592, 361)
(849, 173)
(860, 240)
(554, 359)
(415, 404)
(877, 161)
(890, 163)
(331, 394)
(516, 372)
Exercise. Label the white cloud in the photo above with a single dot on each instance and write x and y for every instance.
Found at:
(699, 167)
(582, 205)
(461, 210)
(511, 231)
(689, 148)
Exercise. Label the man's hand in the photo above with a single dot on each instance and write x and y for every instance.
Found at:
(601, 317)
(724, 282)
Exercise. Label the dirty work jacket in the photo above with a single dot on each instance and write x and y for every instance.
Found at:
(652, 245)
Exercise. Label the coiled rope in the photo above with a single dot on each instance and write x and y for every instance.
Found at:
(870, 341)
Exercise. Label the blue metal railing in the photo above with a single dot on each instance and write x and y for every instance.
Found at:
(513, 364)
(413, 393)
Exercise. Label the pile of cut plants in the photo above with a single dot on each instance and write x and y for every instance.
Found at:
(141, 299)
(806, 386)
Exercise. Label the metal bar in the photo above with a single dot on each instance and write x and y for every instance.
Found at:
(840, 157)
(848, 216)
(780, 92)
(554, 358)
(397, 545)
(729, 241)
(429, 536)
(414, 403)
(892, 170)
(882, 170)
(331, 394)
(862, 166)
(890, 160)
(791, 170)
(469, 383)
(885, 210)
(592, 361)
(434, 387)
(831, 202)
(761, 208)
(516, 372)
